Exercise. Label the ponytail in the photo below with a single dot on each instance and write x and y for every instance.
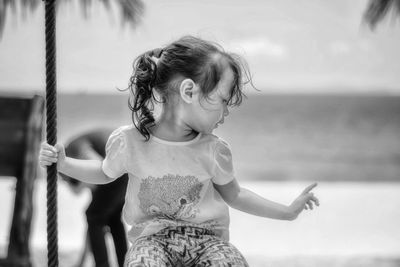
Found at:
(141, 86)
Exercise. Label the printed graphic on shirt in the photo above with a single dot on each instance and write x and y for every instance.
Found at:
(172, 196)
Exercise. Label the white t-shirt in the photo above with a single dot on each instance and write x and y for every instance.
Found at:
(170, 183)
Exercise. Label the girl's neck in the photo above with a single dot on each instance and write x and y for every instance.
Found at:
(171, 127)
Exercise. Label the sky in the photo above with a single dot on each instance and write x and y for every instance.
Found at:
(290, 46)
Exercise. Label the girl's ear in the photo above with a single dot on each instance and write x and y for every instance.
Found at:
(188, 90)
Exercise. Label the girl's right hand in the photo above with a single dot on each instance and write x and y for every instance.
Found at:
(51, 154)
(306, 200)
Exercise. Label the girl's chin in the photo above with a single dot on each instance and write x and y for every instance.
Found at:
(209, 131)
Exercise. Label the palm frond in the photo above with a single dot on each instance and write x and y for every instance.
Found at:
(131, 11)
(4, 6)
(377, 10)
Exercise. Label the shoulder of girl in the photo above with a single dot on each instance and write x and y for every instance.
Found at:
(218, 143)
(123, 130)
(212, 139)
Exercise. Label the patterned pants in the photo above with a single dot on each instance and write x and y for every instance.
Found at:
(183, 246)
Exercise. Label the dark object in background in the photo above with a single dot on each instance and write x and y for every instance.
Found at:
(21, 125)
(105, 209)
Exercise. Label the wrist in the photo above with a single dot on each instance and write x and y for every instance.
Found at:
(290, 214)
(61, 164)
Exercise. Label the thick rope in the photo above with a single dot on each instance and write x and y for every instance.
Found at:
(51, 129)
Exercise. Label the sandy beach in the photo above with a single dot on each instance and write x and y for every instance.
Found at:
(350, 228)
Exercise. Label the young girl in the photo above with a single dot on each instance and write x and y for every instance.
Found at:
(181, 177)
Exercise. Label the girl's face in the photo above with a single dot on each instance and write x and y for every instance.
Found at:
(209, 112)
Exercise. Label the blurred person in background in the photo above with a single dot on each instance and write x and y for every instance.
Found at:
(105, 209)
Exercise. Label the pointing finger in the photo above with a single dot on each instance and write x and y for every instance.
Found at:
(309, 188)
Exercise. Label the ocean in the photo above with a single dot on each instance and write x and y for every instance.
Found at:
(282, 137)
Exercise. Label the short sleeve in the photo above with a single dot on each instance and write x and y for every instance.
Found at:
(223, 168)
(114, 162)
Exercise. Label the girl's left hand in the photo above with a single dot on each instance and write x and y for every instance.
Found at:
(306, 200)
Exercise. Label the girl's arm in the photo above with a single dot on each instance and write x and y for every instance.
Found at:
(85, 151)
(84, 170)
(88, 171)
(245, 200)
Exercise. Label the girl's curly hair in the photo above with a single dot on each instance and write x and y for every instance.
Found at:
(163, 69)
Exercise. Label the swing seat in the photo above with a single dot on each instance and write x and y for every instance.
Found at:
(21, 127)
